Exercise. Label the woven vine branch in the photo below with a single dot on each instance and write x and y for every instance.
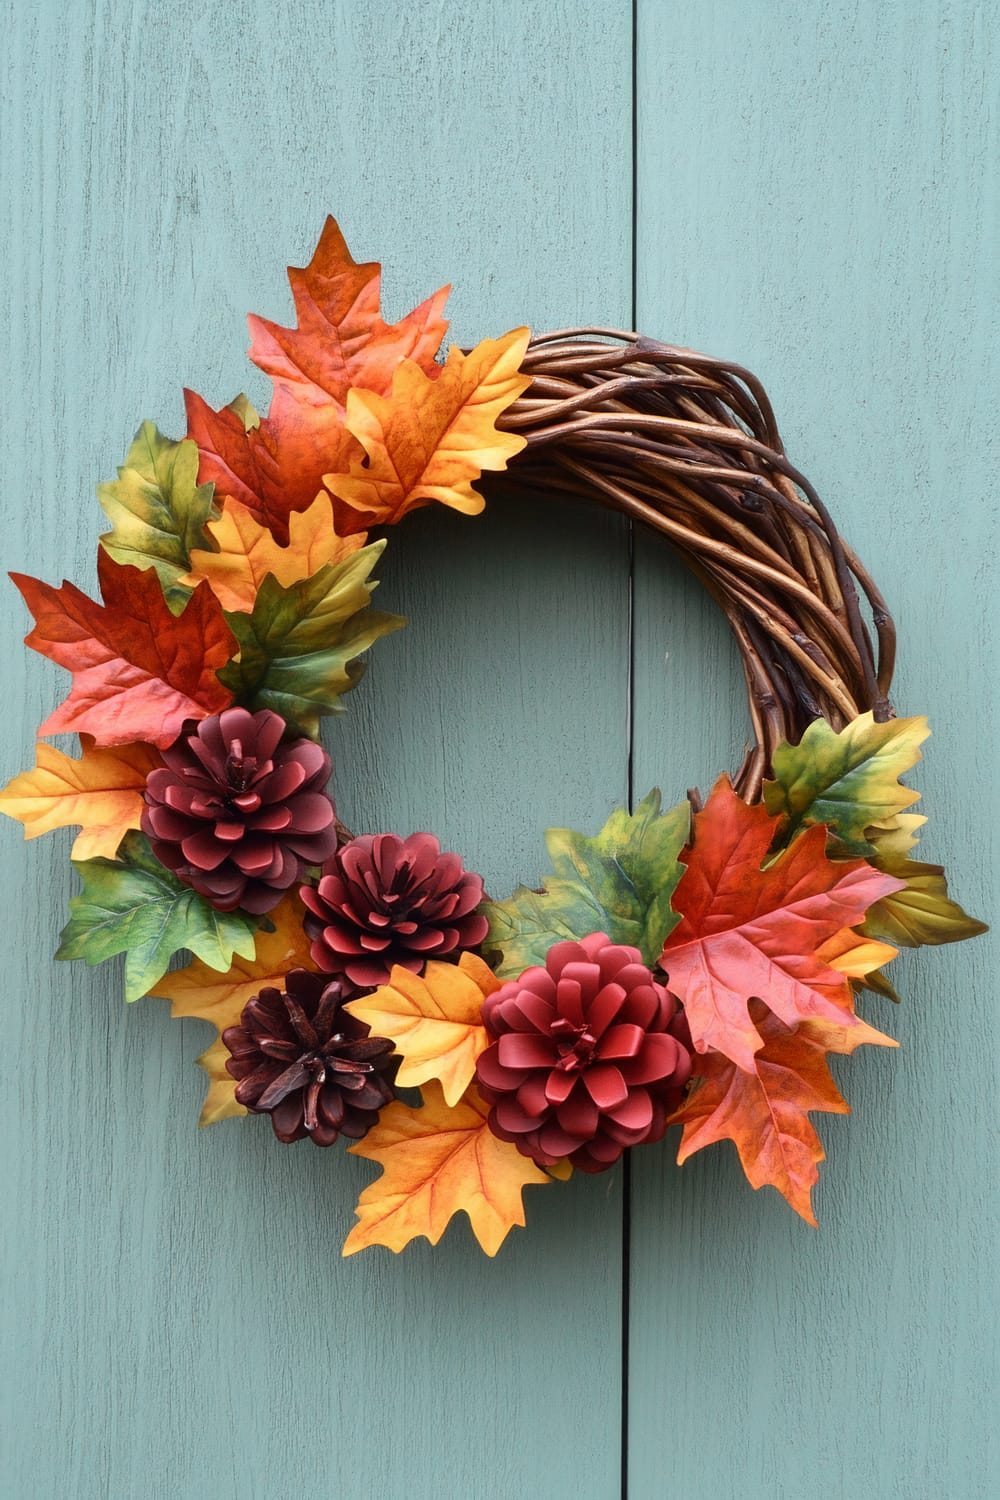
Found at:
(689, 445)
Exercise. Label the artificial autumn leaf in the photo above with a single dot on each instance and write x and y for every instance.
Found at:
(102, 792)
(138, 670)
(220, 1098)
(893, 838)
(847, 779)
(919, 910)
(619, 882)
(275, 466)
(299, 648)
(765, 1112)
(430, 438)
(133, 905)
(156, 507)
(438, 1161)
(748, 932)
(851, 953)
(435, 1022)
(247, 552)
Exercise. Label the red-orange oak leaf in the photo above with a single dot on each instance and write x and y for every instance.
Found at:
(766, 1113)
(138, 670)
(746, 932)
(340, 343)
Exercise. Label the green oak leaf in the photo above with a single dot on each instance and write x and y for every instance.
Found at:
(619, 882)
(847, 779)
(157, 508)
(299, 648)
(922, 912)
(133, 905)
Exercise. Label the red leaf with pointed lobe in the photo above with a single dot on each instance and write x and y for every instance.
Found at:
(340, 342)
(746, 932)
(138, 670)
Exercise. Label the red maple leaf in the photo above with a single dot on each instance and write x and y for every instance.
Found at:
(746, 932)
(340, 343)
(138, 670)
(765, 1113)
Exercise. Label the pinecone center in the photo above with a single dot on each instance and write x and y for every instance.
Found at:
(575, 1045)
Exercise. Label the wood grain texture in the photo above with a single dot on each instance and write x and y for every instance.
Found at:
(180, 1324)
(817, 198)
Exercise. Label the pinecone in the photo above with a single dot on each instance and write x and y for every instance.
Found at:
(303, 1060)
(383, 900)
(238, 815)
(586, 1058)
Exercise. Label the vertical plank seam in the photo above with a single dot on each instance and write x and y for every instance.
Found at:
(626, 1231)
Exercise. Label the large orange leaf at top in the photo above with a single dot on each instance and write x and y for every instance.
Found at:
(439, 1161)
(340, 342)
(747, 932)
(429, 439)
(102, 792)
(765, 1113)
(138, 670)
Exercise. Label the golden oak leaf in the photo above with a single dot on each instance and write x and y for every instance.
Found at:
(220, 1101)
(747, 932)
(430, 438)
(274, 466)
(438, 1161)
(434, 1021)
(766, 1113)
(102, 792)
(247, 552)
(856, 956)
(208, 995)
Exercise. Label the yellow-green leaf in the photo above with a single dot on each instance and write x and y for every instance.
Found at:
(922, 912)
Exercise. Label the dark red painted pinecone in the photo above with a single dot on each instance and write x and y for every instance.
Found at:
(303, 1060)
(587, 1059)
(238, 815)
(383, 900)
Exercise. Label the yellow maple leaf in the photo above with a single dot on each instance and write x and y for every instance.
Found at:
(439, 1161)
(433, 435)
(102, 792)
(435, 1022)
(248, 551)
(208, 995)
(856, 956)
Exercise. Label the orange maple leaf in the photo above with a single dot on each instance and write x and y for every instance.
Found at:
(247, 552)
(138, 670)
(765, 1113)
(207, 995)
(102, 792)
(749, 932)
(439, 1161)
(341, 342)
(435, 1021)
(429, 439)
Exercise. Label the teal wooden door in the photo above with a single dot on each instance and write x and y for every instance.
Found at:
(804, 188)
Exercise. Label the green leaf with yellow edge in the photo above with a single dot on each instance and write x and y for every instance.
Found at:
(922, 912)
(847, 779)
(157, 508)
(619, 882)
(133, 905)
(299, 647)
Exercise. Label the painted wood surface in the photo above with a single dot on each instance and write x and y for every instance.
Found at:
(813, 197)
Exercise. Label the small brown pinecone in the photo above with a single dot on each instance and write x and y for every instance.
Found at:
(300, 1058)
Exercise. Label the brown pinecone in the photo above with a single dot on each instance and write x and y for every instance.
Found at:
(237, 814)
(383, 900)
(588, 1055)
(303, 1060)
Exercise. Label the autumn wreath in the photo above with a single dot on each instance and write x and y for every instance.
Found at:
(692, 966)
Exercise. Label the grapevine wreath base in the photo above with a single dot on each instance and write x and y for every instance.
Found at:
(694, 966)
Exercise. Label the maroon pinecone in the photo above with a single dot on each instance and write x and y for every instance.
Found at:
(303, 1060)
(586, 1057)
(383, 900)
(237, 814)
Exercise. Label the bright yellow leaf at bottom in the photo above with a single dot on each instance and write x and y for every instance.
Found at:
(439, 1161)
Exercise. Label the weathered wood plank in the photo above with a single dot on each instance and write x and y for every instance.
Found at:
(817, 200)
(181, 1324)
